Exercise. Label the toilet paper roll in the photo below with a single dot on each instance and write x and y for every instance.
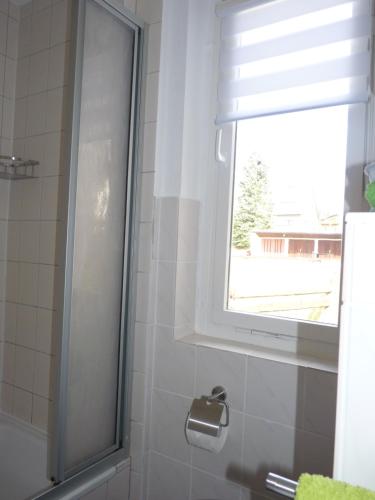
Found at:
(206, 442)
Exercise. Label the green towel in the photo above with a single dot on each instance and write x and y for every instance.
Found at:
(322, 488)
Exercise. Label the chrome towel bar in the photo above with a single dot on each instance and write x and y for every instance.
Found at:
(281, 485)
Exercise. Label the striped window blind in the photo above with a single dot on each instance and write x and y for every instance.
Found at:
(280, 56)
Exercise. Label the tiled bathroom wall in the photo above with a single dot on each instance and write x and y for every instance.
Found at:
(8, 36)
(34, 217)
(282, 416)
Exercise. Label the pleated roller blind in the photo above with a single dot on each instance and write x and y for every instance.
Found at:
(287, 55)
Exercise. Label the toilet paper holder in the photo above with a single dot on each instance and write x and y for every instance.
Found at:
(206, 413)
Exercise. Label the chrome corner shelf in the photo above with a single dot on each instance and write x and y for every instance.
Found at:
(15, 169)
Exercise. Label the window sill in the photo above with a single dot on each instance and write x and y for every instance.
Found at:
(260, 352)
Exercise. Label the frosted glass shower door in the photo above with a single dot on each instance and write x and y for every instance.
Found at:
(93, 322)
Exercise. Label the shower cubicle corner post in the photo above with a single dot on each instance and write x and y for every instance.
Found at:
(59, 417)
(131, 243)
(120, 450)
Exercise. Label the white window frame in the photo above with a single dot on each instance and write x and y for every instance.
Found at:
(300, 338)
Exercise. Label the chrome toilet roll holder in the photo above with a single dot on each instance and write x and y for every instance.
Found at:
(206, 413)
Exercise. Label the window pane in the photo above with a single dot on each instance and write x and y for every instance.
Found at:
(287, 220)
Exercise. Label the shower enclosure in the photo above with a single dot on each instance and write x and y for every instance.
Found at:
(67, 160)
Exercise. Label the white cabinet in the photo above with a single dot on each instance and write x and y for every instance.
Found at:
(355, 421)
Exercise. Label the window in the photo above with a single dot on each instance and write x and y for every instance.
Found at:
(292, 113)
(287, 213)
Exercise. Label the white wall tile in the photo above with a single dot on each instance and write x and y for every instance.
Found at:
(28, 284)
(38, 5)
(216, 367)
(26, 326)
(44, 330)
(24, 42)
(138, 397)
(188, 230)
(168, 214)
(36, 114)
(12, 38)
(14, 11)
(267, 447)
(46, 279)
(7, 397)
(209, 486)
(26, 10)
(6, 146)
(20, 117)
(135, 486)
(275, 391)
(2, 73)
(141, 334)
(31, 191)
(41, 385)
(47, 242)
(34, 150)
(313, 454)
(147, 198)
(4, 200)
(3, 240)
(55, 101)
(40, 410)
(10, 78)
(145, 247)
(165, 298)
(24, 371)
(137, 433)
(22, 404)
(228, 462)
(40, 30)
(19, 147)
(149, 147)
(185, 293)
(9, 363)
(10, 322)
(12, 282)
(169, 480)
(60, 28)
(142, 301)
(172, 357)
(38, 72)
(3, 33)
(118, 486)
(4, 6)
(53, 143)
(153, 48)
(150, 11)
(49, 203)
(22, 83)
(29, 241)
(152, 89)
(8, 118)
(169, 412)
(130, 4)
(57, 72)
(320, 402)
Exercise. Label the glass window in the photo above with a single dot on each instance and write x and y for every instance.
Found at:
(287, 215)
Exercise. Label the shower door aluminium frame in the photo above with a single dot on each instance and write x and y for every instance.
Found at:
(120, 449)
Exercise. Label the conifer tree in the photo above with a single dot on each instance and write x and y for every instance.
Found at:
(253, 209)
